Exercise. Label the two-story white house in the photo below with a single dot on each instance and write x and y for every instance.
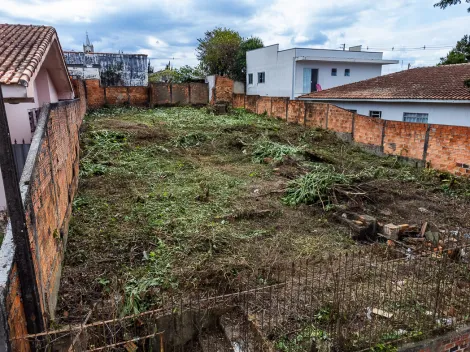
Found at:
(297, 71)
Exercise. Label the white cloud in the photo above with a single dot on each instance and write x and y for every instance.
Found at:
(164, 29)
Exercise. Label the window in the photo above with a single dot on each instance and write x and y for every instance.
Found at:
(261, 77)
(334, 72)
(375, 113)
(353, 111)
(415, 117)
(347, 72)
(250, 78)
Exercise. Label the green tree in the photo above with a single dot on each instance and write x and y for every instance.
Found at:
(218, 50)
(446, 3)
(460, 54)
(246, 45)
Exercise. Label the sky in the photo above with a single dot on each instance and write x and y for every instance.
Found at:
(167, 30)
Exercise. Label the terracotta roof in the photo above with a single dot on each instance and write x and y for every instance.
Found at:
(426, 83)
(22, 48)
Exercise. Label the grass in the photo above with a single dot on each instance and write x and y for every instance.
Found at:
(177, 199)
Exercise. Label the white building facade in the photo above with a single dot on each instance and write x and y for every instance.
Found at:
(294, 72)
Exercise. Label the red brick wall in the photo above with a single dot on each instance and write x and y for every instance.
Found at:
(296, 111)
(238, 101)
(138, 96)
(449, 149)
(117, 96)
(264, 106)
(178, 94)
(223, 90)
(279, 107)
(457, 341)
(447, 146)
(339, 120)
(199, 93)
(250, 102)
(94, 93)
(368, 130)
(315, 115)
(51, 180)
(405, 139)
(16, 317)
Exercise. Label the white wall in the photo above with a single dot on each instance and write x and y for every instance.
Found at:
(443, 114)
(358, 72)
(278, 68)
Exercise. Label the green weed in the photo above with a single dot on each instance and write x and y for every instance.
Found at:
(266, 149)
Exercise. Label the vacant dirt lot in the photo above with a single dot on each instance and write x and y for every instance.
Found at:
(177, 198)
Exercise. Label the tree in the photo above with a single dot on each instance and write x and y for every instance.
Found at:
(460, 54)
(247, 45)
(150, 68)
(178, 75)
(446, 3)
(218, 51)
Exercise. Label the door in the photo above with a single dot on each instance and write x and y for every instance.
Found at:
(314, 80)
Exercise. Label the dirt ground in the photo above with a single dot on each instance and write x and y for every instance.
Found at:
(177, 199)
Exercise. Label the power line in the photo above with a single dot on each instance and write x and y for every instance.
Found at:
(403, 48)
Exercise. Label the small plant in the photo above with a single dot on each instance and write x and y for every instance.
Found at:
(191, 140)
(315, 186)
(266, 149)
(302, 340)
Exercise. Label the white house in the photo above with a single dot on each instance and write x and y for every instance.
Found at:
(32, 72)
(293, 72)
(435, 95)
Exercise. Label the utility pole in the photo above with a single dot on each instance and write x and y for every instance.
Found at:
(23, 255)
(343, 46)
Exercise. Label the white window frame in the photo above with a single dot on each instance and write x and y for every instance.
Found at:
(375, 113)
(250, 75)
(416, 117)
(335, 71)
(264, 77)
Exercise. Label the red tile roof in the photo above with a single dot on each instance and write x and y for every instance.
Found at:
(22, 48)
(426, 83)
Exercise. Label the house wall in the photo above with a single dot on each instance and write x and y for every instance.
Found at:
(127, 69)
(43, 91)
(443, 114)
(280, 68)
(358, 72)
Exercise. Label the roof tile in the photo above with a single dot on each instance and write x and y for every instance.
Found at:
(22, 48)
(426, 83)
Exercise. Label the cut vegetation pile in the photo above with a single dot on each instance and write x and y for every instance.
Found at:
(177, 199)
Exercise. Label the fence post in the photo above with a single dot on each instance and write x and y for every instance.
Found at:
(353, 125)
(327, 114)
(383, 136)
(23, 253)
(426, 144)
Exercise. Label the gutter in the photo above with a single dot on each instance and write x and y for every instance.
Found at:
(387, 100)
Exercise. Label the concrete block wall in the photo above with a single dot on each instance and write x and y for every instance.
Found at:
(162, 94)
(48, 185)
(441, 147)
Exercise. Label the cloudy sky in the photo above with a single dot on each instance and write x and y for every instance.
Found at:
(167, 29)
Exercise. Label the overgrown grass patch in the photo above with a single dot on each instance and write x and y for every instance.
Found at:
(178, 199)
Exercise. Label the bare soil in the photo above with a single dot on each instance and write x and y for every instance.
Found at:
(171, 199)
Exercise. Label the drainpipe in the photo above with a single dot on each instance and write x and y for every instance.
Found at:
(293, 75)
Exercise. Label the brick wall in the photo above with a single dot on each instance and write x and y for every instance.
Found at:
(445, 148)
(456, 341)
(223, 90)
(263, 106)
(179, 94)
(48, 185)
